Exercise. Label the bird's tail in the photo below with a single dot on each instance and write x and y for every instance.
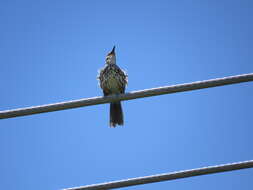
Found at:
(116, 114)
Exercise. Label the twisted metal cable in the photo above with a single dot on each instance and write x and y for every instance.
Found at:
(167, 176)
(128, 96)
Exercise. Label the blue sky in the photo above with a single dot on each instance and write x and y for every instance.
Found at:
(51, 52)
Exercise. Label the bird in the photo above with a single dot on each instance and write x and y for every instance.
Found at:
(113, 81)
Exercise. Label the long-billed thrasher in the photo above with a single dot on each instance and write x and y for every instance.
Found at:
(113, 80)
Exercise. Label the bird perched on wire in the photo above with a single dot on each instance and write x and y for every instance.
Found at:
(113, 80)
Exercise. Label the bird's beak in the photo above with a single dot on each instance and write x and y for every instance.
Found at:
(113, 50)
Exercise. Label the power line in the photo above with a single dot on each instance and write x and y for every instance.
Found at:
(128, 96)
(167, 176)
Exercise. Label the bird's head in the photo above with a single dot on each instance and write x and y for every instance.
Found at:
(111, 57)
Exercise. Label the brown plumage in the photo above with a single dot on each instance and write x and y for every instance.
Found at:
(113, 80)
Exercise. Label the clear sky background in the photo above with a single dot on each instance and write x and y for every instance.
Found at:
(50, 51)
